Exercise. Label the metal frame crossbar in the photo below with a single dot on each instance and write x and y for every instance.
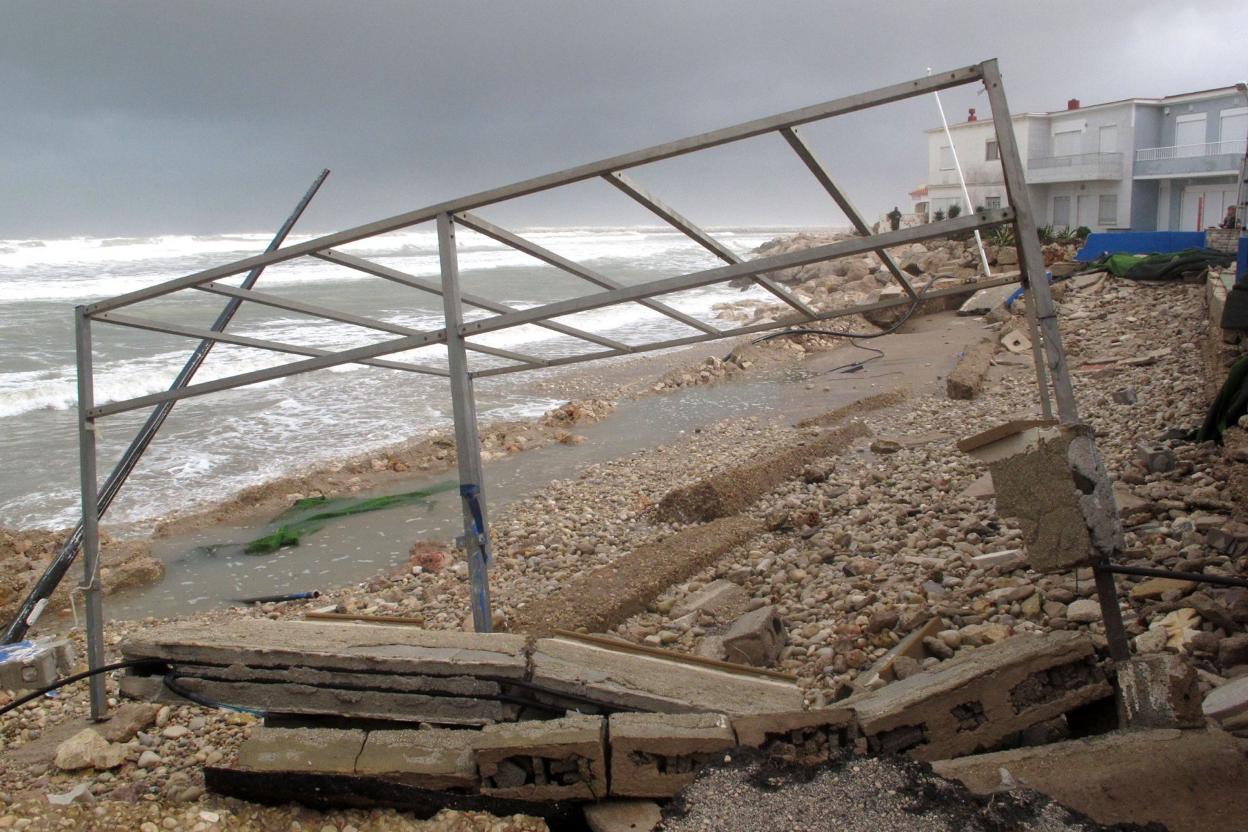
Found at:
(457, 334)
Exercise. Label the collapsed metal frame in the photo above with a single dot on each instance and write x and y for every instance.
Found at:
(456, 333)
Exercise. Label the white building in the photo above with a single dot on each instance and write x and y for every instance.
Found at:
(1141, 163)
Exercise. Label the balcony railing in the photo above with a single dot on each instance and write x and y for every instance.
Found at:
(1075, 160)
(1234, 147)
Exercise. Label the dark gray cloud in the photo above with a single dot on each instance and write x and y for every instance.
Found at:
(148, 117)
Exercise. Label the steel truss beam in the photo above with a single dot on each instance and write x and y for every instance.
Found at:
(749, 268)
(547, 256)
(820, 173)
(657, 153)
(693, 232)
(257, 343)
(326, 313)
(378, 270)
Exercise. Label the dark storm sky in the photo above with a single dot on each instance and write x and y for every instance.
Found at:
(123, 118)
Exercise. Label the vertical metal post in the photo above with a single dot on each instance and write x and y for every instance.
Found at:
(1031, 261)
(90, 513)
(467, 439)
(1039, 299)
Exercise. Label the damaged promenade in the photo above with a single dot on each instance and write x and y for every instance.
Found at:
(849, 587)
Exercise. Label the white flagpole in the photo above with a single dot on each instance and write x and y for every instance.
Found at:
(979, 243)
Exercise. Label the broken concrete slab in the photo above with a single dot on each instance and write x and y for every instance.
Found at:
(721, 599)
(623, 816)
(1129, 777)
(308, 700)
(911, 646)
(656, 755)
(756, 638)
(653, 683)
(557, 759)
(986, 300)
(334, 646)
(807, 737)
(327, 750)
(1005, 560)
(437, 758)
(967, 377)
(981, 697)
(730, 492)
(600, 599)
(1159, 690)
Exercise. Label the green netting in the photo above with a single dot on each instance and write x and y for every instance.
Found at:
(310, 515)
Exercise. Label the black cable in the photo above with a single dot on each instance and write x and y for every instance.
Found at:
(77, 677)
(170, 683)
(910, 310)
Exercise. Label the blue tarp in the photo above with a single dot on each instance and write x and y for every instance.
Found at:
(1100, 243)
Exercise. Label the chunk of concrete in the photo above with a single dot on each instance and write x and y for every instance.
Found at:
(439, 758)
(334, 646)
(967, 377)
(648, 682)
(87, 749)
(721, 598)
(805, 737)
(128, 720)
(755, 638)
(323, 750)
(1004, 440)
(1228, 704)
(981, 697)
(623, 816)
(986, 300)
(1159, 690)
(981, 489)
(656, 755)
(1006, 560)
(1190, 781)
(557, 759)
(1016, 342)
(1062, 498)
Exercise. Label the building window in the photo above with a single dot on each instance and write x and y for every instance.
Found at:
(946, 158)
(991, 152)
(992, 202)
(1108, 210)
(1061, 211)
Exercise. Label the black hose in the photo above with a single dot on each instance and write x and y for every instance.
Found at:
(77, 677)
(910, 310)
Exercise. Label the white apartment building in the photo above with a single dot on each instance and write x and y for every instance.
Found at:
(1142, 164)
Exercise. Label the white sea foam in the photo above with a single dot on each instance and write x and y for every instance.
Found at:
(216, 445)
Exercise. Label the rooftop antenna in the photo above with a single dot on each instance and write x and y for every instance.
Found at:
(979, 242)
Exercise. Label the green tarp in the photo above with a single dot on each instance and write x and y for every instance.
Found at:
(1161, 266)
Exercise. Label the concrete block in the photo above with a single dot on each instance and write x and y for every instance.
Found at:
(431, 759)
(375, 648)
(981, 697)
(653, 683)
(755, 638)
(722, 599)
(623, 816)
(1190, 781)
(558, 759)
(1159, 690)
(806, 737)
(1061, 496)
(967, 377)
(656, 755)
(1016, 342)
(1006, 560)
(326, 750)
(27, 665)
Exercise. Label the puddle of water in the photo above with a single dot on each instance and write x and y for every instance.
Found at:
(207, 569)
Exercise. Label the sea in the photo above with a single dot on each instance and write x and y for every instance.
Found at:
(213, 446)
